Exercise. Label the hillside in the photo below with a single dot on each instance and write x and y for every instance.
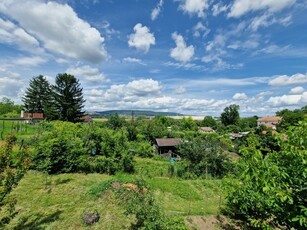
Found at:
(59, 201)
(128, 113)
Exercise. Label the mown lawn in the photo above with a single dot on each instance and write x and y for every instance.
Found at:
(60, 201)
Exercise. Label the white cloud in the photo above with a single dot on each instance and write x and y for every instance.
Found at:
(219, 8)
(179, 90)
(88, 74)
(241, 7)
(133, 60)
(285, 80)
(266, 20)
(156, 11)
(12, 34)
(58, 28)
(194, 7)
(186, 66)
(251, 43)
(30, 61)
(200, 28)
(10, 83)
(239, 97)
(109, 31)
(142, 39)
(297, 90)
(285, 100)
(117, 95)
(181, 52)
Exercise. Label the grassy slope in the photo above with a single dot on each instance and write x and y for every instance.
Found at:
(61, 203)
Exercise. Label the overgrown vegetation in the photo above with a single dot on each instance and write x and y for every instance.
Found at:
(265, 183)
(12, 168)
(269, 191)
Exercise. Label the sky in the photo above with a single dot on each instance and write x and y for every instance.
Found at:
(194, 57)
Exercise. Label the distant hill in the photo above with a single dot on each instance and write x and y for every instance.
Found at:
(128, 113)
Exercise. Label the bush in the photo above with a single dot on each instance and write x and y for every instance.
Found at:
(72, 147)
(204, 157)
(270, 191)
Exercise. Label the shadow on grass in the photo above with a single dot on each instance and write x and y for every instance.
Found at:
(62, 181)
(39, 222)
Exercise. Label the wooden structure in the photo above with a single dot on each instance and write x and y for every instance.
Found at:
(167, 145)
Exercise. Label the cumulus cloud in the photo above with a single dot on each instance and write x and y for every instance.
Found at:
(285, 80)
(181, 52)
(241, 7)
(194, 7)
(58, 29)
(156, 11)
(239, 96)
(297, 90)
(133, 91)
(141, 39)
(88, 74)
(285, 100)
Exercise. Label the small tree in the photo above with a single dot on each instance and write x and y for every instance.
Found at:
(68, 97)
(231, 115)
(209, 121)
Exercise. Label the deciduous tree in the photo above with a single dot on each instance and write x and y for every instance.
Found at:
(231, 115)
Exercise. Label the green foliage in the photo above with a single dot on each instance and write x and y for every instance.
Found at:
(152, 129)
(58, 151)
(247, 123)
(139, 203)
(188, 124)
(142, 148)
(231, 115)
(70, 147)
(290, 118)
(115, 122)
(204, 157)
(39, 98)
(270, 191)
(209, 121)
(68, 97)
(12, 168)
(8, 108)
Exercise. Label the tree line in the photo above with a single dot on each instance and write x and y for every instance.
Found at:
(61, 101)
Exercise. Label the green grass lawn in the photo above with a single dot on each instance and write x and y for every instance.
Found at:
(61, 202)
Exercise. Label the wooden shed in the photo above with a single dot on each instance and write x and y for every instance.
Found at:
(166, 145)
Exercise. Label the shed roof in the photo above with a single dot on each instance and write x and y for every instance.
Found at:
(163, 142)
(205, 129)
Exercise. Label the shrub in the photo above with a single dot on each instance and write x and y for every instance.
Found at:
(270, 191)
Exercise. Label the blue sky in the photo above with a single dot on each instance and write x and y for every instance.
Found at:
(190, 56)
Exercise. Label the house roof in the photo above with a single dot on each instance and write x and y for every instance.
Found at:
(166, 142)
(205, 129)
(269, 119)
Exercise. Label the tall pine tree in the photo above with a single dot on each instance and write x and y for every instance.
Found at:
(39, 98)
(68, 97)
